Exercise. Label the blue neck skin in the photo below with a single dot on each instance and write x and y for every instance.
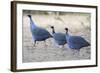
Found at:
(67, 35)
(53, 31)
(32, 23)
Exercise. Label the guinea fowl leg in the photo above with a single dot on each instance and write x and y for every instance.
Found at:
(63, 46)
(45, 43)
(34, 44)
(76, 52)
(73, 51)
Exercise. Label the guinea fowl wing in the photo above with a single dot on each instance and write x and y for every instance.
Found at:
(59, 37)
(77, 42)
(40, 33)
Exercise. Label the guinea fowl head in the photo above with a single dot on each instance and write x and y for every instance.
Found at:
(52, 27)
(29, 16)
(66, 30)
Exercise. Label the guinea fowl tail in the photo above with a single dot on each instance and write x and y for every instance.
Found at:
(88, 44)
(51, 36)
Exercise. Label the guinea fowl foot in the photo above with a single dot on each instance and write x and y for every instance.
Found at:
(45, 43)
(34, 44)
(76, 52)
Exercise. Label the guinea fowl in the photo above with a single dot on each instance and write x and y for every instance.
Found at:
(75, 42)
(59, 38)
(38, 33)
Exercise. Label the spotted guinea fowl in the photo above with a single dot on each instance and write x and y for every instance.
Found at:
(38, 33)
(75, 42)
(59, 38)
